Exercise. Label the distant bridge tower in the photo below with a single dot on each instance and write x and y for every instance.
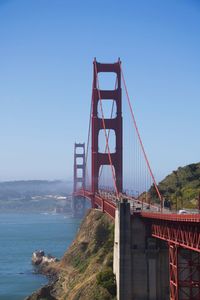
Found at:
(79, 166)
(79, 177)
(99, 159)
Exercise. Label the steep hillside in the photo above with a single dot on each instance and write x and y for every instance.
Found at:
(85, 271)
(182, 185)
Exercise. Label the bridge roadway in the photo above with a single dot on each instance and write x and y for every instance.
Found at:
(182, 230)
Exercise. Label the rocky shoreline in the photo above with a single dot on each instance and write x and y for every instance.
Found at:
(76, 275)
(45, 265)
(39, 258)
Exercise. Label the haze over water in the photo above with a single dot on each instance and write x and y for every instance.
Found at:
(20, 235)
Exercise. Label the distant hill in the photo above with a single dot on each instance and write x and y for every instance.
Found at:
(182, 185)
(34, 196)
(29, 188)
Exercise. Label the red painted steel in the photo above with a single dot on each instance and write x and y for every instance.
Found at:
(79, 166)
(79, 174)
(188, 274)
(173, 271)
(105, 205)
(99, 159)
(180, 230)
(184, 269)
(172, 217)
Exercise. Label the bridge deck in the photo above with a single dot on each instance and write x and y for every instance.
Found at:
(182, 230)
(172, 217)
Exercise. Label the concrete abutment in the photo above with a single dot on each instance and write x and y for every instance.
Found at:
(140, 261)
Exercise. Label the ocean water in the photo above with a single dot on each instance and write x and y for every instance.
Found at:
(20, 235)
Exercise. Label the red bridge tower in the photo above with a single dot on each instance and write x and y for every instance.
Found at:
(79, 164)
(79, 176)
(99, 159)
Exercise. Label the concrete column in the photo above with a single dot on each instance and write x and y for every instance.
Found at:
(152, 256)
(122, 251)
(116, 251)
(140, 261)
(163, 272)
(150, 271)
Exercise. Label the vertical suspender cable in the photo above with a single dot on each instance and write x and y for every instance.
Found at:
(140, 140)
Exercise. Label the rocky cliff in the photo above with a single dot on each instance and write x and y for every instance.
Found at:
(85, 271)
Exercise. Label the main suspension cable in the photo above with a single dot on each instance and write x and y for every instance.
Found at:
(140, 140)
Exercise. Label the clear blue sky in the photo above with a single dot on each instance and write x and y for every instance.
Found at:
(46, 53)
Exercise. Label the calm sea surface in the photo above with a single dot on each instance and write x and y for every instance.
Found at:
(20, 235)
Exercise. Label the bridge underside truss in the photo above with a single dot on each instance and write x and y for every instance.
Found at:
(184, 270)
(184, 235)
(183, 231)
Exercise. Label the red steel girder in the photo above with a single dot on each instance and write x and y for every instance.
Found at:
(97, 201)
(173, 271)
(189, 274)
(184, 270)
(181, 230)
(184, 234)
(172, 217)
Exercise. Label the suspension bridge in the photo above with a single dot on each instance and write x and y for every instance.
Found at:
(156, 251)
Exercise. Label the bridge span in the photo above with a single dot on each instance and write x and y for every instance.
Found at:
(156, 251)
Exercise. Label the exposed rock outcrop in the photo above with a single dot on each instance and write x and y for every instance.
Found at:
(39, 258)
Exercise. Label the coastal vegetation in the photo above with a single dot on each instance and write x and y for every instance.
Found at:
(181, 187)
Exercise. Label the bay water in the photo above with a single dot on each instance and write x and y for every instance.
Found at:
(20, 235)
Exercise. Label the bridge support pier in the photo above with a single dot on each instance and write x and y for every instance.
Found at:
(140, 261)
(149, 261)
(152, 253)
(122, 251)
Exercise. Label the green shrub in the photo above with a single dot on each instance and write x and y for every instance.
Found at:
(106, 279)
(101, 234)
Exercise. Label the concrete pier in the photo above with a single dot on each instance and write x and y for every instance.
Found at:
(122, 251)
(140, 261)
